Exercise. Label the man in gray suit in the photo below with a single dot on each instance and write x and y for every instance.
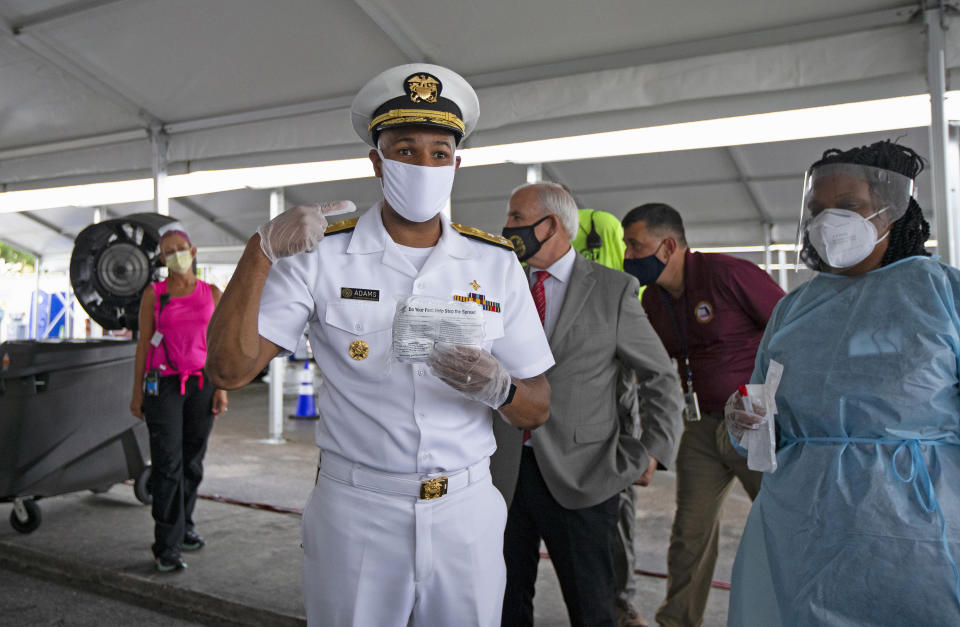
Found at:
(572, 469)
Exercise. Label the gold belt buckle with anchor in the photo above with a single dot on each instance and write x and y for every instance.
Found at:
(433, 488)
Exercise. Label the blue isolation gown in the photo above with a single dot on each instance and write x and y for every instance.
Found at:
(860, 524)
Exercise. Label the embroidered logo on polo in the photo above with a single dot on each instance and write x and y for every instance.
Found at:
(423, 87)
(480, 299)
(357, 293)
(703, 312)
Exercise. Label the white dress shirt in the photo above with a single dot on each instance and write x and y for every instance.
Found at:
(554, 288)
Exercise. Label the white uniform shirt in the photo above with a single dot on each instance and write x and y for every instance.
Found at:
(377, 411)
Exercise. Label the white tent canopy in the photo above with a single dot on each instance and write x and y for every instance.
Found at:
(103, 90)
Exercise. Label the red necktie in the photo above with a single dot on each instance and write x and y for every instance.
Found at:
(540, 300)
(539, 295)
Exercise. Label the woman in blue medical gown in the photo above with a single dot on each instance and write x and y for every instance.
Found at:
(860, 523)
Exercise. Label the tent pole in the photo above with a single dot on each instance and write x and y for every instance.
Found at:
(942, 177)
(277, 364)
(767, 257)
(35, 327)
(782, 262)
(534, 173)
(159, 140)
(952, 165)
(68, 315)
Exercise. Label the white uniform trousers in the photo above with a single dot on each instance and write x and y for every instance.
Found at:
(373, 557)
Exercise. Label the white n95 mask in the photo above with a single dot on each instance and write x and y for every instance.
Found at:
(180, 262)
(843, 238)
(416, 192)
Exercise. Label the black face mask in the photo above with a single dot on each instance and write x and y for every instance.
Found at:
(524, 240)
(647, 269)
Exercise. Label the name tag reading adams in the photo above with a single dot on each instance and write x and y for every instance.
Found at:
(420, 321)
(357, 293)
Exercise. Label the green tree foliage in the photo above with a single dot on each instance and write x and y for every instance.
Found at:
(13, 255)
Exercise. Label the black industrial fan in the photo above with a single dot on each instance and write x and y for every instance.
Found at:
(112, 263)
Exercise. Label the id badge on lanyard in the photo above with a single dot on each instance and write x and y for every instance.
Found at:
(691, 406)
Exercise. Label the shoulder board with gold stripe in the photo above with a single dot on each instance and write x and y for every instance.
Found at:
(475, 233)
(343, 226)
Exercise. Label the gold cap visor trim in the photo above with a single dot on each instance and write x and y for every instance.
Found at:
(395, 117)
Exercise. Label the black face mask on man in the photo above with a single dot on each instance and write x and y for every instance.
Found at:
(646, 269)
(524, 239)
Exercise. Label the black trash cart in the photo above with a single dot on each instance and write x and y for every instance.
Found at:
(65, 424)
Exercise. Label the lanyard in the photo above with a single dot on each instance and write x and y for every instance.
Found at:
(681, 335)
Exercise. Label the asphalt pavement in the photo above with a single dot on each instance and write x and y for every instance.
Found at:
(90, 563)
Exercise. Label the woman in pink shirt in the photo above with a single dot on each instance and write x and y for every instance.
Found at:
(169, 391)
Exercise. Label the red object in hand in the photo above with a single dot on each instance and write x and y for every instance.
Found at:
(745, 399)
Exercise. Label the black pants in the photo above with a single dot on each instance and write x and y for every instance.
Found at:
(179, 428)
(580, 543)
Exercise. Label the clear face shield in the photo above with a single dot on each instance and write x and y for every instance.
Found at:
(847, 209)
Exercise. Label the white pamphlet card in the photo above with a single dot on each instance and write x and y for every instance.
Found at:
(422, 320)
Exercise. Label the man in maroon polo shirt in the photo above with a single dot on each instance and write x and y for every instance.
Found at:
(710, 311)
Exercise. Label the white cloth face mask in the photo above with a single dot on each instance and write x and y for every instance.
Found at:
(416, 192)
(843, 238)
(180, 262)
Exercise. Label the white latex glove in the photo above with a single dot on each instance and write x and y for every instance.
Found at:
(738, 419)
(298, 230)
(472, 371)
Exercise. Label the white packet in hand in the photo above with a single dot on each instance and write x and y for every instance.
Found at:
(420, 321)
(761, 443)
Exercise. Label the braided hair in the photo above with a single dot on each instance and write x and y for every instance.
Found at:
(911, 231)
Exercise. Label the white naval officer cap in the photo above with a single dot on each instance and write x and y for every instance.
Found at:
(415, 93)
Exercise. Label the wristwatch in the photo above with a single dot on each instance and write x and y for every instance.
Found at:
(513, 390)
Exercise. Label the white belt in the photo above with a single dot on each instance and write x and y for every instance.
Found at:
(421, 486)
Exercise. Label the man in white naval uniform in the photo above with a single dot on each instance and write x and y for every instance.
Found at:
(404, 525)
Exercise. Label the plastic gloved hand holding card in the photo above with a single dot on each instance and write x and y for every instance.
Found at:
(420, 321)
(761, 443)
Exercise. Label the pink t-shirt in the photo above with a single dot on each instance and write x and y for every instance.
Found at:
(183, 322)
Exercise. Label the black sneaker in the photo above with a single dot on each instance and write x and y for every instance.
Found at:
(192, 541)
(168, 563)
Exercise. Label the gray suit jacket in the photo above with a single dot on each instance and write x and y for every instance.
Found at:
(587, 451)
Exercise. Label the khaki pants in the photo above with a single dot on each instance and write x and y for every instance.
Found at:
(706, 466)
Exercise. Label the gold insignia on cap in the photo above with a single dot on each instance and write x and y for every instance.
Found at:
(423, 87)
(359, 350)
(474, 284)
